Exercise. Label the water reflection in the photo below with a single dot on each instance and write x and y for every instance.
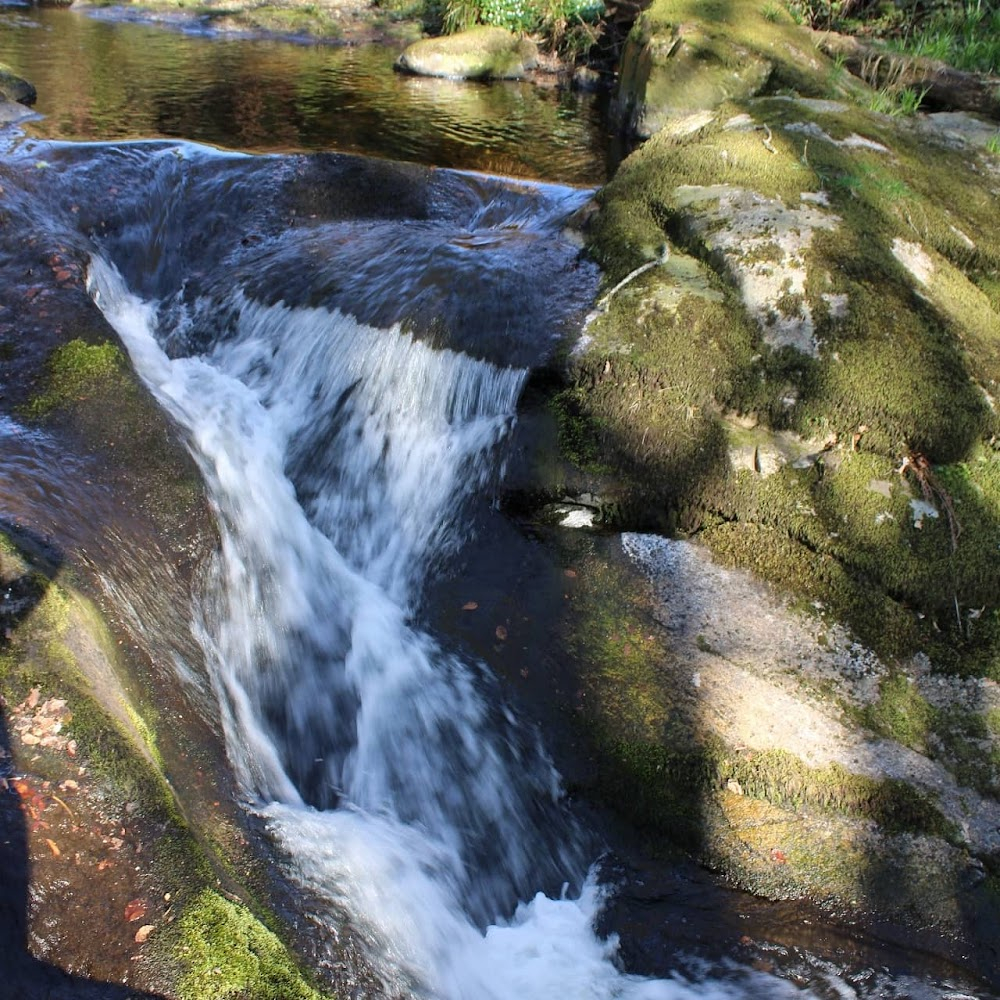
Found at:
(100, 79)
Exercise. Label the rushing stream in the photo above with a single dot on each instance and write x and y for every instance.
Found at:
(341, 458)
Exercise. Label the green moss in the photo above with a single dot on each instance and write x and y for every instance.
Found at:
(78, 370)
(225, 953)
(780, 778)
(901, 713)
(968, 743)
(577, 429)
(900, 372)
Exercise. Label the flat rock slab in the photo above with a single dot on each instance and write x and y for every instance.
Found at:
(481, 53)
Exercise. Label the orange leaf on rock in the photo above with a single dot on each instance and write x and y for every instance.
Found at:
(53, 847)
(501, 633)
(135, 910)
(143, 932)
(778, 857)
(470, 606)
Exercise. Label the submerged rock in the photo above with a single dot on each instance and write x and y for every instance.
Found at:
(482, 53)
(15, 88)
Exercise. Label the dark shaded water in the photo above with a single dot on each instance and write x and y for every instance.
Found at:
(108, 80)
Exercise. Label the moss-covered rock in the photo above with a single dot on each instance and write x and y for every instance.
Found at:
(92, 776)
(683, 56)
(223, 951)
(481, 53)
(791, 290)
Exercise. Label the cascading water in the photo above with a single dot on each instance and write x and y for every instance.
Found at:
(341, 458)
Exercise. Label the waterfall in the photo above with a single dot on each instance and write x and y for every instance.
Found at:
(340, 459)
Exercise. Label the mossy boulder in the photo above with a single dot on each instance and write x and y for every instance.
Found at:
(481, 53)
(776, 749)
(808, 289)
(683, 56)
(794, 363)
(15, 88)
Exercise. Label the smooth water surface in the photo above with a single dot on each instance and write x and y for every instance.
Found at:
(106, 80)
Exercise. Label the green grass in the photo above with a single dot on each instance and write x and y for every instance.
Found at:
(897, 103)
(966, 37)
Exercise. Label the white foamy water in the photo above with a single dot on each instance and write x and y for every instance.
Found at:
(339, 459)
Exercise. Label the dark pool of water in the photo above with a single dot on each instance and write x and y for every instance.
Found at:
(111, 80)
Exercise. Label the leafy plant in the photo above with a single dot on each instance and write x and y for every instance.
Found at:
(568, 25)
(993, 144)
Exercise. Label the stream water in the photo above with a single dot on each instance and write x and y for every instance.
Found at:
(106, 80)
(344, 342)
(341, 458)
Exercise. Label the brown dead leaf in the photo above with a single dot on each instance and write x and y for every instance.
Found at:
(143, 932)
(53, 847)
(30, 739)
(470, 606)
(571, 573)
(778, 857)
(135, 909)
(33, 696)
(501, 633)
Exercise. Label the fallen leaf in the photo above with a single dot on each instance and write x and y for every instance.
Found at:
(470, 606)
(101, 865)
(69, 785)
(135, 910)
(33, 697)
(778, 857)
(143, 932)
(571, 573)
(501, 633)
(30, 739)
(53, 848)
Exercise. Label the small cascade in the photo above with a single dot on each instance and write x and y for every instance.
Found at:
(344, 460)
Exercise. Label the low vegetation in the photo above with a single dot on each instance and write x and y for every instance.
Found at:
(962, 33)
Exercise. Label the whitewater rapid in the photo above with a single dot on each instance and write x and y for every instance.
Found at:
(339, 459)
